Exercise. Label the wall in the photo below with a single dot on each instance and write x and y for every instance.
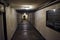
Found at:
(11, 22)
(31, 18)
(19, 18)
(40, 23)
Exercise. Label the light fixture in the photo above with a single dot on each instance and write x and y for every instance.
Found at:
(1, 8)
(27, 7)
(54, 10)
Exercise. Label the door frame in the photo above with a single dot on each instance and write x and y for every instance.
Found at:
(4, 21)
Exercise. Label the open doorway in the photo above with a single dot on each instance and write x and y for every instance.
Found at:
(24, 16)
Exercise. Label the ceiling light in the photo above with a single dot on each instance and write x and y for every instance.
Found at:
(54, 10)
(26, 7)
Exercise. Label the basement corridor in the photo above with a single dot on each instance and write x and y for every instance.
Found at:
(29, 19)
(26, 31)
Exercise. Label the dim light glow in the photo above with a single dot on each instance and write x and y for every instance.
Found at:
(26, 16)
(2, 8)
(26, 7)
(54, 10)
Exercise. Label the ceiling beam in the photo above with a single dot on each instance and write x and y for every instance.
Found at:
(49, 3)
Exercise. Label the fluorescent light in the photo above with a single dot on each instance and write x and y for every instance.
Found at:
(26, 7)
(54, 10)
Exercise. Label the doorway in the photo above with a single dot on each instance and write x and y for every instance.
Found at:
(3, 30)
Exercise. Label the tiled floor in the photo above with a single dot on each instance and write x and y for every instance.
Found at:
(26, 31)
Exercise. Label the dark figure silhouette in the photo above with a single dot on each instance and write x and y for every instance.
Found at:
(24, 18)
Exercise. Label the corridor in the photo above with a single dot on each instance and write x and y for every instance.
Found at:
(26, 31)
(29, 19)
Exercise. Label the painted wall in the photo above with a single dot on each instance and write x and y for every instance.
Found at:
(40, 23)
(19, 18)
(31, 18)
(11, 21)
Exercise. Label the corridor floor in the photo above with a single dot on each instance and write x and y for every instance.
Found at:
(25, 31)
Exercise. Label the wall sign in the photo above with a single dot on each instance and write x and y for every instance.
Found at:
(53, 19)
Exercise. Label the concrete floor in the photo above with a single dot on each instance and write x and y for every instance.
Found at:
(25, 31)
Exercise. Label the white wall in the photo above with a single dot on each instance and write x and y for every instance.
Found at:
(11, 21)
(40, 23)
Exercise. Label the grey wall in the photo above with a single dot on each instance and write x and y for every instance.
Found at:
(11, 21)
(19, 18)
(40, 23)
(31, 18)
